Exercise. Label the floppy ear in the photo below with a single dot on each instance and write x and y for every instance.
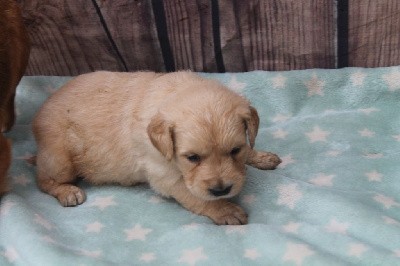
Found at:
(161, 135)
(252, 124)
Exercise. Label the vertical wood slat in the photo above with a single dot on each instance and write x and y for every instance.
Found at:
(190, 34)
(279, 34)
(67, 38)
(374, 33)
(132, 27)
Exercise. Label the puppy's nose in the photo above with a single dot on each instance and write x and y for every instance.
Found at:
(220, 190)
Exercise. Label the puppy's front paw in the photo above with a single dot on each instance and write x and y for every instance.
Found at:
(226, 213)
(263, 160)
(69, 195)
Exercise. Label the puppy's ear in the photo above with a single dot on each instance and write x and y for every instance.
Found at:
(252, 123)
(161, 135)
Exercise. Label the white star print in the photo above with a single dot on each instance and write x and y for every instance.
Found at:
(280, 134)
(289, 195)
(317, 135)
(297, 253)
(291, 227)
(103, 202)
(48, 239)
(357, 78)
(367, 111)
(251, 254)
(249, 199)
(95, 227)
(396, 137)
(191, 256)
(366, 133)
(286, 160)
(43, 222)
(278, 81)
(147, 257)
(91, 254)
(50, 89)
(396, 253)
(241, 229)
(155, 199)
(11, 254)
(392, 79)
(357, 249)
(235, 85)
(137, 233)
(281, 118)
(373, 155)
(337, 227)
(374, 176)
(333, 153)
(191, 226)
(322, 179)
(315, 86)
(386, 201)
(389, 220)
(21, 180)
(5, 207)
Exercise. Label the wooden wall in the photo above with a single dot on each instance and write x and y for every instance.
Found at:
(76, 36)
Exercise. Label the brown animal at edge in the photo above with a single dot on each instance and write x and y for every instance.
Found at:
(14, 55)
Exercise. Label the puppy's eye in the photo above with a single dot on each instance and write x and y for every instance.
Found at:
(194, 158)
(235, 151)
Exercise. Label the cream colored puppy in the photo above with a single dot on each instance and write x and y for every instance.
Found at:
(182, 134)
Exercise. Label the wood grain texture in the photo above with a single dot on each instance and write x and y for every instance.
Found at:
(132, 27)
(374, 33)
(74, 37)
(189, 26)
(67, 38)
(282, 34)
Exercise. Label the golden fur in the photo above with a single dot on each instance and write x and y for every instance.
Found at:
(14, 54)
(129, 128)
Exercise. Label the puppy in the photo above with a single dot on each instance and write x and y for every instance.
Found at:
(14, 54)
(182, 134)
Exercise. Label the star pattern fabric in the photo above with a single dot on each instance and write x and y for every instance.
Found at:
(334, 198)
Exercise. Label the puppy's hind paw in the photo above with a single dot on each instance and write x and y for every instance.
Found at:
(69, 195)
(263, 160)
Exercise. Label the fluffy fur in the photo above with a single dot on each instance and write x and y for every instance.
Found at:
(183, 134)
(14, 53)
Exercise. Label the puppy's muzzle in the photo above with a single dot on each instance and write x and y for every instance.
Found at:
(220, 190)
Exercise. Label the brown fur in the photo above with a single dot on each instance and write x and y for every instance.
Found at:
(5, 161)
(14, 54)
(129, 128)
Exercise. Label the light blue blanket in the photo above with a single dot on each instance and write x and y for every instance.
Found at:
(335, 199)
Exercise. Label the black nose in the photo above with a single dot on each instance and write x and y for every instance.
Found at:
(220, 190)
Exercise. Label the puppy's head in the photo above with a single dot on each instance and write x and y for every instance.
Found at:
(206, 137)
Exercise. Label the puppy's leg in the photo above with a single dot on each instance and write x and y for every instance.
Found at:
(55, 175)
(222, 212)
(263, 160)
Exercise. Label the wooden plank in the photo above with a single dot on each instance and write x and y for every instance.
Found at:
(67, 38)
(132, 27)
(189, 26)
(278, 35)
(374, 27)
